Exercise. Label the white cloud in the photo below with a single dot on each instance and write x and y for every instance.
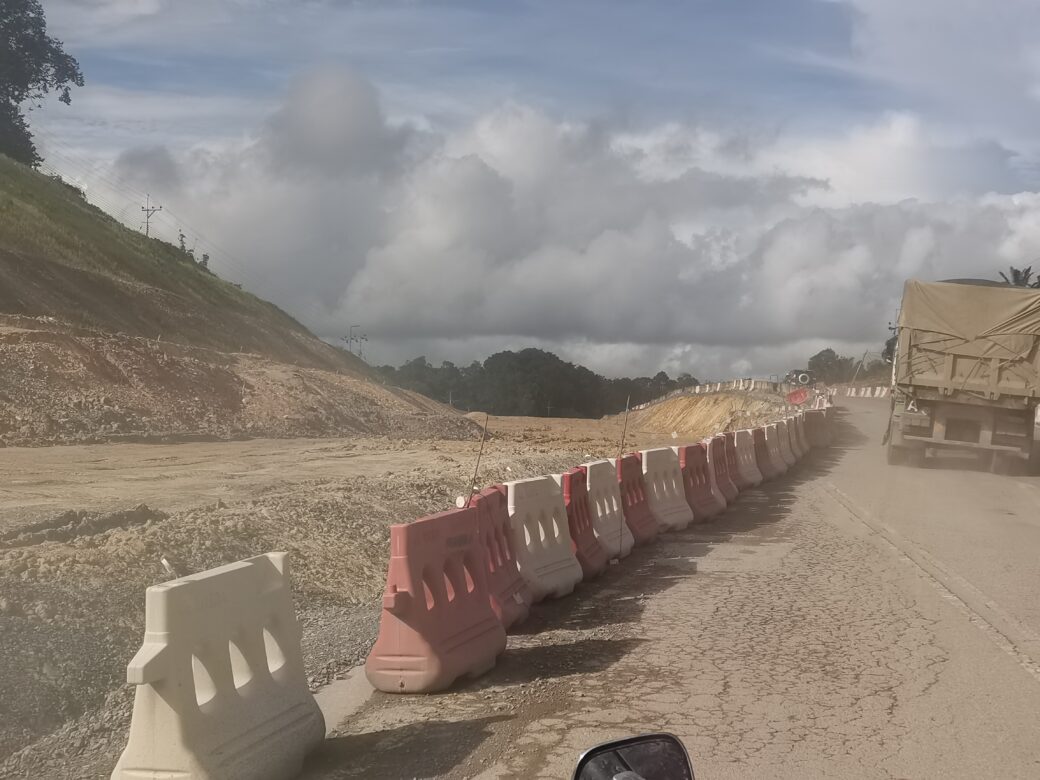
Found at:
(680, 247)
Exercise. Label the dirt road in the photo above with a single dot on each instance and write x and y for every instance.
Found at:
(850, 620)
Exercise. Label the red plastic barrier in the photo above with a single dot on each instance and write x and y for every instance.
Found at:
(510, 598)
(587, 549)
(762, 459)
(638, 517)
(437, 624)
(693, 461)
(717, 460)
(738, 479)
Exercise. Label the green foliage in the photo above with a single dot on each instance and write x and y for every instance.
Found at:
(32, 64)
(531, 383)
(888, 354)
(62, 257)
(829, 366)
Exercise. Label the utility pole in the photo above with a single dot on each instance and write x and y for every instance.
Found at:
(148, 210)
(548, 410)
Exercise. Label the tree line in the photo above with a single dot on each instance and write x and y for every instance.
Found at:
(532, 383)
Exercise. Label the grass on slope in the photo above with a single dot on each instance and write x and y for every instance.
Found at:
(64, 258)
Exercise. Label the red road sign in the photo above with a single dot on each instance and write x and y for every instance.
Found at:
(798, 397)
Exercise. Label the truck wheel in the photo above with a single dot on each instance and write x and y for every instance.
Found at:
(896, 456)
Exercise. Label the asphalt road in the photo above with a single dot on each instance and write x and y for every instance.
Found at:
(849, 620)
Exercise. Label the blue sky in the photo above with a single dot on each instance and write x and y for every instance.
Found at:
(733, 60)
(775, 169)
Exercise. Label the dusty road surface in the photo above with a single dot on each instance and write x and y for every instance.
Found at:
(848, 620)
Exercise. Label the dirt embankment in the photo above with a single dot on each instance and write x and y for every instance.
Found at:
(63, 385)
(702, 415)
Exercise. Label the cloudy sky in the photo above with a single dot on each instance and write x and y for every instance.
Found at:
(715, 186)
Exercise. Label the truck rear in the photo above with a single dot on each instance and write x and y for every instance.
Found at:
(966, 371)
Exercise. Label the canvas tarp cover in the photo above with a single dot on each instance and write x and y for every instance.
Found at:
(972, 320)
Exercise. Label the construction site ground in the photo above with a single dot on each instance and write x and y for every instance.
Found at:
(84, 528)
(850, 619)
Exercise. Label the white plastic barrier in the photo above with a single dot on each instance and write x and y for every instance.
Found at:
(785, 443)
(221, 690)
(773, 445)
(792, 438)
(747, 465)
(542, 538)
(664, 489)
(724, 494)
(800, 435)
(608, 517)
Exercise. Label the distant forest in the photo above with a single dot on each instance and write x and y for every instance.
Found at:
(530, 382)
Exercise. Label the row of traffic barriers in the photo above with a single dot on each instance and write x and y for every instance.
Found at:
(221, 690)
(878, 391)
(550, 534)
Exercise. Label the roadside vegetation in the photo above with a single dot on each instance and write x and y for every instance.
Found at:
(530, 383)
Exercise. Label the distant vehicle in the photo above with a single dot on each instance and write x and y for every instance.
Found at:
(800, 376)
(966, 372)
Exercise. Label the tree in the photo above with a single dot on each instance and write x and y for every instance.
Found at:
(1020, 277)
(889, 352)
(829, 366)
(32, 64)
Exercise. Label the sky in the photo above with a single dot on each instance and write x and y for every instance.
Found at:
(720, 187)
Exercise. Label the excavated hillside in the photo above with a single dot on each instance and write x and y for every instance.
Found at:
(107, 335)
(701, 415)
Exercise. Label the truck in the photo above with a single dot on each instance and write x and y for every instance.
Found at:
(966, 373)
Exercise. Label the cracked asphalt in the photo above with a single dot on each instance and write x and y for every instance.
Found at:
(849, 620)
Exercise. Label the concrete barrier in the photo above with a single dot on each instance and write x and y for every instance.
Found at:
(608, 518)
(747, 464)
(664, 488)
(542, 538)
(221, 690)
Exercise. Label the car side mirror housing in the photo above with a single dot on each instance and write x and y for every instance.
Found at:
(648, 757)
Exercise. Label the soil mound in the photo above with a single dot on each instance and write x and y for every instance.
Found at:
(702, 415)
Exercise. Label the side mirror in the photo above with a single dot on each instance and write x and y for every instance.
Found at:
(649, 757)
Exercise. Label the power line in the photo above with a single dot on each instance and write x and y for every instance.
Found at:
(91, 171)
